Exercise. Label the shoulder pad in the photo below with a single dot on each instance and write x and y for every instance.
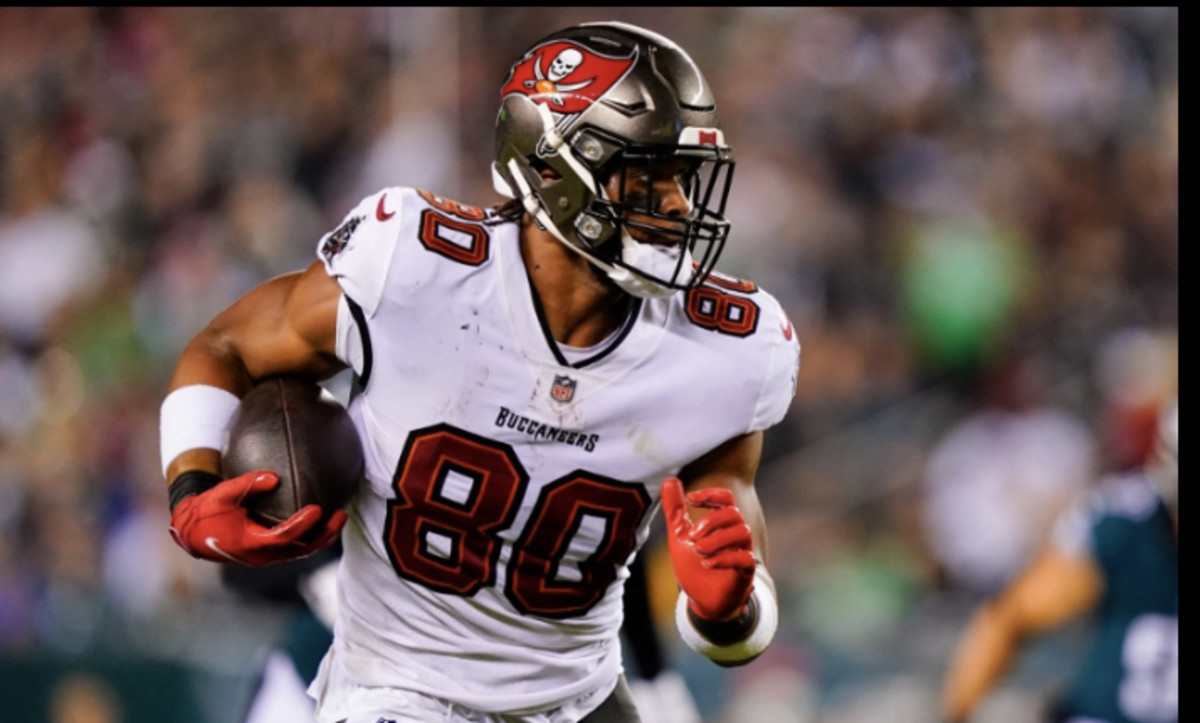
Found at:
(747, 330)
(358, 253)
(783, 365)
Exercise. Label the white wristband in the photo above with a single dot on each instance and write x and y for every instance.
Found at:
(754, 644)
(194, 417)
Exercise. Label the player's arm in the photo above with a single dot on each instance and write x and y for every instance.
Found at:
(1054, 589)
(286, 325)
(716, 533)
(732, 466)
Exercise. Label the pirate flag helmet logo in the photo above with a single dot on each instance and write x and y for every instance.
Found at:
(565, 75)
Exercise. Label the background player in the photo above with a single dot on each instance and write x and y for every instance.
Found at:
(1116, 554)
(527, 378)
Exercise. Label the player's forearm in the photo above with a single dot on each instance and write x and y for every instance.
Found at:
(208, 363)
(984, 654)
(283, 326)
(203, 460)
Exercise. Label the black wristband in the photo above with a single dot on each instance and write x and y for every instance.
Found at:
(730, 631)
(189, 483)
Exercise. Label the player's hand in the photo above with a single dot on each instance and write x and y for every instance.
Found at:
(214, 525)
(713, 558)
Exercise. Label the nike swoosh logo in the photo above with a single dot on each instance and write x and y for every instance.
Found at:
(381, 214)
(211, 543)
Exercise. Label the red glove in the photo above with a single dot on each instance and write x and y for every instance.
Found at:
(214, 526)
(713, 559)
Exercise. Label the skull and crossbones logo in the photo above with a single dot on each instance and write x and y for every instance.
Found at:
(561, 66)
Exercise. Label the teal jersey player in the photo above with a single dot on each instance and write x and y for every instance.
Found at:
(1131, 672)
(1114, 555)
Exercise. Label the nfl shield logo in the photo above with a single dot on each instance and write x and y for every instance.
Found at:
(563, 389)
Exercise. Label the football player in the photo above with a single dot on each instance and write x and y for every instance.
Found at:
(1115, 554)
(533, 381)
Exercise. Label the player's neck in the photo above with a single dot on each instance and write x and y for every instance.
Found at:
(581, 308)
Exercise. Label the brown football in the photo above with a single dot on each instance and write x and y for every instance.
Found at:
(286, 425)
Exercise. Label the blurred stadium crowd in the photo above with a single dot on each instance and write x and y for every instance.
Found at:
(970, 215)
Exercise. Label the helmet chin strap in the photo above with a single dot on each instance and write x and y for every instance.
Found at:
(500, 185)
(535, 209)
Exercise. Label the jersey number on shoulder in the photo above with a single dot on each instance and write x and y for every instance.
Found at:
(709, 306)
(452, 229)
(456, 492)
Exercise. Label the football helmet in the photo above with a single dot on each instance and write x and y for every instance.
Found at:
(600, 98)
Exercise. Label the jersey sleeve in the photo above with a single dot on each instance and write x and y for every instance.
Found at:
(1072, 531)
(783, 367)
(1095, 525)
(359, 252)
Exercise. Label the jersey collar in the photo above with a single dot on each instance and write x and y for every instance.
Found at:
(636, 338)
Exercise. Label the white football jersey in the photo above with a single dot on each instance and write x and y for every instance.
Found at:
(510, 481)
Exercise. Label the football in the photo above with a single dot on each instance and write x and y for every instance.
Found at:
(293, 428)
